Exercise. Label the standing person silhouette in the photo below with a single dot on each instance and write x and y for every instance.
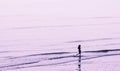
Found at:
(79, 49)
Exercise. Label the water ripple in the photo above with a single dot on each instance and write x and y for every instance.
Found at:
(55, 58)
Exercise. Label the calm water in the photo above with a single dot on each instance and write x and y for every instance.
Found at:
(44, 44)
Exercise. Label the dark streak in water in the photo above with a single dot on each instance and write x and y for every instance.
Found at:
(4, 51)
(19, 64)
(36, 61)
(110, 44)
(92, 40)
(55, 53)
(39, 65)
(102, 51)
(62, 57)
(92, 57)
(60, 26)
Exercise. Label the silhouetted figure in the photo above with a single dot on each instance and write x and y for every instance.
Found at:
(79, 49)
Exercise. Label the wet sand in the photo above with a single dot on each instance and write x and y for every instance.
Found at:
(54, 48)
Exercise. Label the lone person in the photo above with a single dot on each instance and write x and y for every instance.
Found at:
(79, 49)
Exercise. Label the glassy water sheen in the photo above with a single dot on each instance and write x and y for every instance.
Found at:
(30, 45)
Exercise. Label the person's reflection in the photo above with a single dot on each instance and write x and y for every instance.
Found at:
(79, 63)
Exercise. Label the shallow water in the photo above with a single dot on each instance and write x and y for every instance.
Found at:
(53, 47)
